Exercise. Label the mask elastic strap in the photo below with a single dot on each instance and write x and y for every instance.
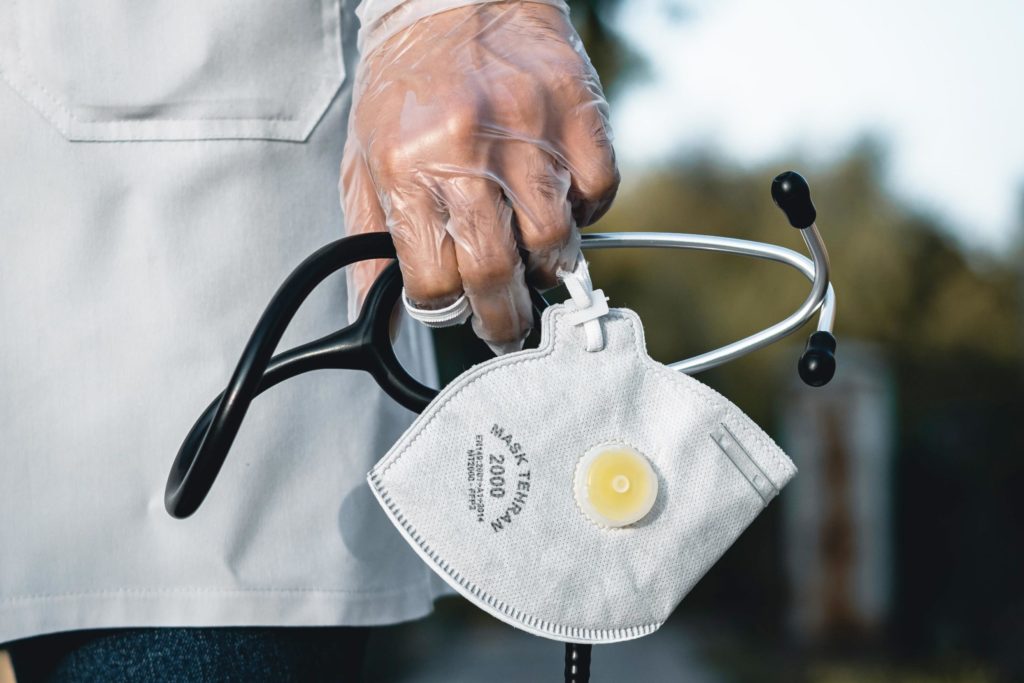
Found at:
(589, 304)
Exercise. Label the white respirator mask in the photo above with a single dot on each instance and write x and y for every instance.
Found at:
(578, 490)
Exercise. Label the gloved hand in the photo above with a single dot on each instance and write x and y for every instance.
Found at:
(479, 139)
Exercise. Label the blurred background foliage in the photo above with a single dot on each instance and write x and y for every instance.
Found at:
(949, 324)
(614, 59)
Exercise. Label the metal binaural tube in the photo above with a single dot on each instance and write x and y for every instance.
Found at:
(827, 314)
(815, 269)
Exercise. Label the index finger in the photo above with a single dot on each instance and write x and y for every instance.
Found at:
(587, 151)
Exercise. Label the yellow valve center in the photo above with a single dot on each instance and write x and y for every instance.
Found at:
(615, 486)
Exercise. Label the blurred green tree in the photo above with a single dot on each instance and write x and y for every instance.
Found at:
(615, 60)
(902, 283)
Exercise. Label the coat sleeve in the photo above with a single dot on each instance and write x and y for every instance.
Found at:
(381, 19)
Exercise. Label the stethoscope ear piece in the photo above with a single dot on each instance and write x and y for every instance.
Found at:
(791, 194)
(818, 362)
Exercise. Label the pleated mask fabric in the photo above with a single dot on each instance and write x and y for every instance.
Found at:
(485, 484)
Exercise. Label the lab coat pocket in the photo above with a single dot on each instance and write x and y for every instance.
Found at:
(119, 70)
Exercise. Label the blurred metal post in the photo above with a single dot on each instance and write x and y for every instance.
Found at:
(838, 511)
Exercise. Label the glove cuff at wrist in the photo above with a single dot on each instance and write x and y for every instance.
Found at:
(381, 19)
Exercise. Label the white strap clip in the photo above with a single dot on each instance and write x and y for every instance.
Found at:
(590, 304)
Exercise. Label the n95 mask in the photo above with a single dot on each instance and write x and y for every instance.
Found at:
(578, 490)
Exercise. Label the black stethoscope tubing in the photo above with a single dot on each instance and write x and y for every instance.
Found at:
(363, 345)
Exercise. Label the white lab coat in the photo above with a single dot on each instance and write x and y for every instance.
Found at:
(163, 166)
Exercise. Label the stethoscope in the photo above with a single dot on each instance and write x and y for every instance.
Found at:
(366, 343)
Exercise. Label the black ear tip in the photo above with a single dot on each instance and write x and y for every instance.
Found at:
(792, 194)
(788, 182)
(817, 364)
(817, 368)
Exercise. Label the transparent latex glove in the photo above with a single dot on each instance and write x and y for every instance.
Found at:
(479, 139)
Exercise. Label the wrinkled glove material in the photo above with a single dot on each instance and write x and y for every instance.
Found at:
(479, 138)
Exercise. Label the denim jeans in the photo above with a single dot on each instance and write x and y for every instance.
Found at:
(200, 655)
